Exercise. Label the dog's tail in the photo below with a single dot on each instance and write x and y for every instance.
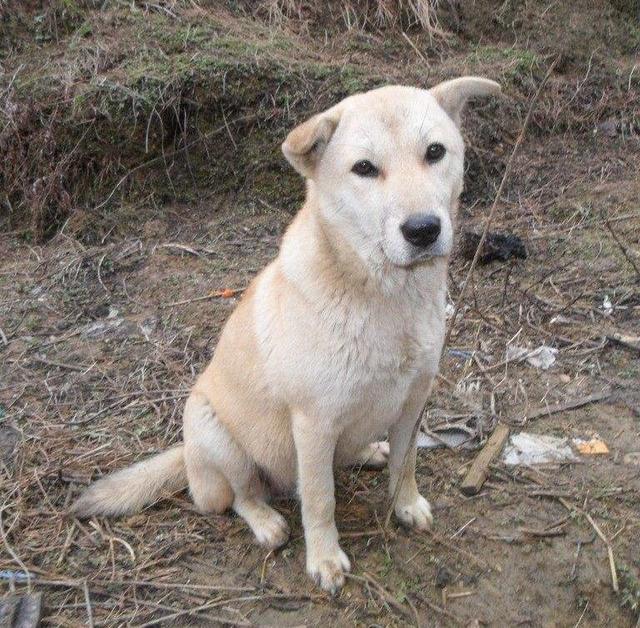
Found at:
(129, 490)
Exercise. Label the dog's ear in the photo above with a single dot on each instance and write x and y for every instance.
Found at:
(452, 95)
(306, 143)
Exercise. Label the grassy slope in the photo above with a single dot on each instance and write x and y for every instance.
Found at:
(105, 110)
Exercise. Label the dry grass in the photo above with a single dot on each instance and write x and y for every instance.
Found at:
(357, 14)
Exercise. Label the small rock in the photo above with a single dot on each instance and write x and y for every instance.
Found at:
(608, 127)
(633, 458)
(9, 438)
(443, 577)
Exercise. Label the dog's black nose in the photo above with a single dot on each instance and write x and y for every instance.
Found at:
(421, 229)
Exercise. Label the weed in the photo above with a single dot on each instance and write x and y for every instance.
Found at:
(629, 590)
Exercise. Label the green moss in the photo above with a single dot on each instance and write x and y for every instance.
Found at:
(517, 65)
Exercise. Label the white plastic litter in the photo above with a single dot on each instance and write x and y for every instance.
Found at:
(527, 449)
(448, 439)
(542, 357)
(607, 306)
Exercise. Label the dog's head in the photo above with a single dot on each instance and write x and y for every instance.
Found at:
(386, 167)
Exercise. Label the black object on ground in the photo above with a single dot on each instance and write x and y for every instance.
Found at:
(497, 246)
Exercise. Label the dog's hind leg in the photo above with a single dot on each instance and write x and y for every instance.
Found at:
(373, 456)
(221, 474)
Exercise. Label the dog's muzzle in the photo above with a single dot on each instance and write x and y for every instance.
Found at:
(421, 230)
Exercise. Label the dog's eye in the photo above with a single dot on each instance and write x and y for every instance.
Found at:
(364, 168)
(435, 152)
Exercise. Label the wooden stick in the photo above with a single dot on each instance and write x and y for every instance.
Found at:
(628, 342)
(479, 470)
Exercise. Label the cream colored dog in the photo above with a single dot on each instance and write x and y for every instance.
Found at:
(337, 342)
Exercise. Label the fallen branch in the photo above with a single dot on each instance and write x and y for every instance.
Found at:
(628, 342)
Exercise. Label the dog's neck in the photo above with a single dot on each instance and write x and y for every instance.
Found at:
(317, 252)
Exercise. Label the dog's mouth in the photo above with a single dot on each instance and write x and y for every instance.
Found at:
(417, 256)
(423, 256)
(410, 261)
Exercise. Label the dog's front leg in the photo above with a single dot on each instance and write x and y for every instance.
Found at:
(315, 448)
(411, 508)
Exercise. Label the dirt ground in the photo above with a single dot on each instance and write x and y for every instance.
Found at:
(104, 326)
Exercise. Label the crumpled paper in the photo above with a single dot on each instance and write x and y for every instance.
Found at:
(526, 449)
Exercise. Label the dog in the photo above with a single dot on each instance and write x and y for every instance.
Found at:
(336, 343)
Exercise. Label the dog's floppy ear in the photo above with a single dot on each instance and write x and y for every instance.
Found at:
(452, 95)
(306, 143)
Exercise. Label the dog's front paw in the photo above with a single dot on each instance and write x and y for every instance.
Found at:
(416, 514)
(328, 568)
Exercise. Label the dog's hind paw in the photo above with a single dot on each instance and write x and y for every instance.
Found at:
(328, 571)
(416, 514)
(374, 455)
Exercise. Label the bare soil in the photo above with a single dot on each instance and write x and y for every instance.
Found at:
(103, 329)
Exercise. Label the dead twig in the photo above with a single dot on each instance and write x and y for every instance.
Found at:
(87, 601)
(603, 538)
(459, 550)
(13, 555)
(492, 211)
(389, 599)
(622, 248)
(227, 293)
(70, 583)
(164, 156)
(62, 365)
(567, 405)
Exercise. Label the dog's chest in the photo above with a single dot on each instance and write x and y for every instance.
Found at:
(351, 359)
(383, 353)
